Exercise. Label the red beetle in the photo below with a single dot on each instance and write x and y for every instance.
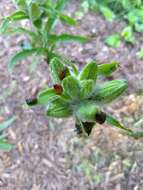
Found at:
(58, 89)
(62, 74)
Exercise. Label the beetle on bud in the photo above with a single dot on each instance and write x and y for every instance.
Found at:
(58, 89)
(63, 73)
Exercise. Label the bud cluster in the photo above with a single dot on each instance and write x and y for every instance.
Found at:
(76, 93)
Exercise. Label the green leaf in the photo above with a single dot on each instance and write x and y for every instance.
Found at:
(53, 17)
(55, 67)
(4, 25)
(114, 122)
(21, 4)
(68, 37)
(126, 4)
(86, 88)
(89, 71)
(71, 87)
(127, 34)
(22, 55)
(60, 4)
(34, 12)
(107, 68)
(67, 19)
(140, 54)
(18, 15)
(108, 13)
(45, 96)
(51, 22)
(113, 40)
(86, 111)
(6, 124)
(4, 145)
(136, 135)
(21, 30)
(74, 69)
(135, 19)
(58, 108)
(139, 27)
(109, 91)
(132, 18)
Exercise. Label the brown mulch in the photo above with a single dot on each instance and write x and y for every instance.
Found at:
(47, 154)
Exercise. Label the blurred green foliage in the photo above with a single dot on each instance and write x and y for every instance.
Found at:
(4, 145)
(43, 17)
(130, 11)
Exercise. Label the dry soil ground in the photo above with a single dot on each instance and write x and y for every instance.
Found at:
(47, 154)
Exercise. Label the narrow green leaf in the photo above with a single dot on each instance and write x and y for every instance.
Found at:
(67, 19)
(4, 25)
(18, 15)
(136, 135)
(89, 71)
(86, 88)
(58, 108)
(114, 122)
(6, 124)
(60, 4)
(45, 96)
(68, 37)
(107, 68)
(22, 55)
(54, 15)
(127, 34)
(21, 30)
(71, 87)
(4, 145)
(108, 13)
(51, 22)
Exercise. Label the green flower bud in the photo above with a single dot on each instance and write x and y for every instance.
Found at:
(109, 91)
(86, 112)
